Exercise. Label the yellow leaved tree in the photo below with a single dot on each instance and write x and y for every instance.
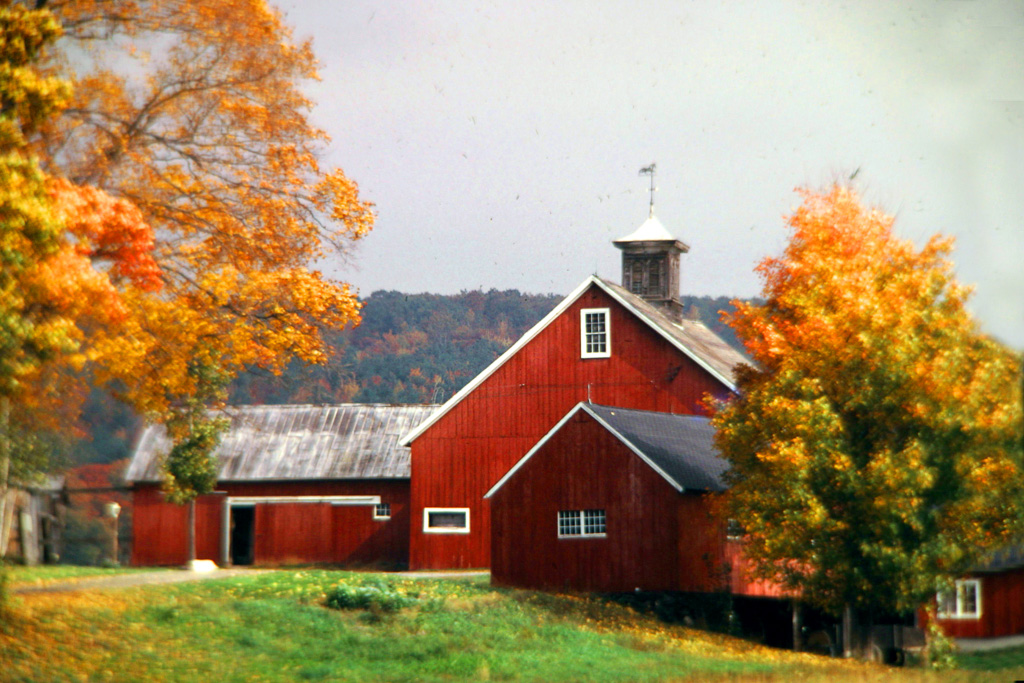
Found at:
(876, 447)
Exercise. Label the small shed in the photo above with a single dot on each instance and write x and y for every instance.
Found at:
(32, 523)
(296, 484)
(613, 500)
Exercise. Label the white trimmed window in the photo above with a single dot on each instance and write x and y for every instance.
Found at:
(595, 333)
(963, 602)
(572, 523)
(446, 520)
(382, 511)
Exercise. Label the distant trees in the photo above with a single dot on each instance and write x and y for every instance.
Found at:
(876, 446)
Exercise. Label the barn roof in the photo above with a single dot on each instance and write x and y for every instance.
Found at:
(690, 337)
(299, 442)
(678, 447)
(1008, 557)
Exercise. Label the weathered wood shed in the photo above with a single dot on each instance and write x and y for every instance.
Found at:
(297, 484)
(32, 523)
(614, 500)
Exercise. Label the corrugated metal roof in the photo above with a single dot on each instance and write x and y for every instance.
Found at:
(300, 442)
(692, 334)
(678, 447)
(681, 446)
(1009, 557)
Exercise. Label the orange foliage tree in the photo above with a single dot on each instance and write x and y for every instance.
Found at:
(193, 112)
(64, 250)
(876, 446)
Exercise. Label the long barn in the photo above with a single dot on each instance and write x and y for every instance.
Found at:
(296, 484)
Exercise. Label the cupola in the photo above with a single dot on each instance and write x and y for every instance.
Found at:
(650, 262)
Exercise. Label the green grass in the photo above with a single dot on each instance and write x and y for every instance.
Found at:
(21, 575)
(269, 627)
(1009, 659)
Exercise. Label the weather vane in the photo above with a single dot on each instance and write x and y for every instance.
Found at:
(650, 170)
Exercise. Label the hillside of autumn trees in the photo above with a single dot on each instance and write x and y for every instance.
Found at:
(409, 348)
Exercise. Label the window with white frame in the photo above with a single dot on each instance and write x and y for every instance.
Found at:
(382, 511)
(446, 520)
(963, 602)
(572, 523)
(595, 333)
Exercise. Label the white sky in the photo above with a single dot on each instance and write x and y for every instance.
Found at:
(501, 141)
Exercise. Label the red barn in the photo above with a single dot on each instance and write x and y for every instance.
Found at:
(617, 345)
(617, 500)
(297, 484)
(989, 602)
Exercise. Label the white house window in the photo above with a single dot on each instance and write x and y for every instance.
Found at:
(446, 520)
(581, 523)
(595, 335)
(382, 511)
(963, 602)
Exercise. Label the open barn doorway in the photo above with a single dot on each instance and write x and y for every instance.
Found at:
(243, 526)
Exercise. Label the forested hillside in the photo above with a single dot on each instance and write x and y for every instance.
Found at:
(409, 348)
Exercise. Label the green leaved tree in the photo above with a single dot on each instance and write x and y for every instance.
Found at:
(876, 447)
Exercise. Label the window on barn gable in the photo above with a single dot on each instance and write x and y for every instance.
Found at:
(595, 333)
(963, 602)
(446, 520)
(382, 511)
(572, 523)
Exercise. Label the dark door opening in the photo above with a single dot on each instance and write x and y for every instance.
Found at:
(243, 524)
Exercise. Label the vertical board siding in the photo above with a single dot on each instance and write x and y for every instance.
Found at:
(1002, 599)
(584, 467)
(285, 533)
(471, 447)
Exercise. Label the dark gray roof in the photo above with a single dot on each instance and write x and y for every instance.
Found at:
(692, 334)
(681, 446)
(1009, 557)
(299, 442)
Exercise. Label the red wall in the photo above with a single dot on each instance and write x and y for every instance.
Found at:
(657, 538)
(284, 532)
(1002, 608)
(457, 460)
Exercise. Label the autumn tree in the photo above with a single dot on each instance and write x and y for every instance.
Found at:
(193, 112)
(876, 446)
(64, 252)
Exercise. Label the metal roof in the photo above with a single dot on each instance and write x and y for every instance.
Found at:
(650, 230)
(299, 442)
(706, 347)
(678, 447)
(692, 338)
(1008, 557)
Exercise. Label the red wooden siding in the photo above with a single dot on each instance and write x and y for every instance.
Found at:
(284, 532)
(1002, 608)
(460, 457)
(584, 467)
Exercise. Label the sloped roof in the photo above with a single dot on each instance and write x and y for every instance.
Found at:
(1009, 557)
(299, 442)
(678, 447)
(706, 347)
(692, 338)
(651, 230)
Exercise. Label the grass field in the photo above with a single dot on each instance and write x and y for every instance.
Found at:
(274, 626)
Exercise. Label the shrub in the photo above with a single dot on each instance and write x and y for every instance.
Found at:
(378, 597)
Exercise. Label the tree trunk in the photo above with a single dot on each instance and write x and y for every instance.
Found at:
(6, 518)
(191, 531)
(798, 643)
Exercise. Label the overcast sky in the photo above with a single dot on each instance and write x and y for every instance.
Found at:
(501, 141)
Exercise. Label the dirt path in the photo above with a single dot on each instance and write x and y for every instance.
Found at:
(182, 575)
(130, 580)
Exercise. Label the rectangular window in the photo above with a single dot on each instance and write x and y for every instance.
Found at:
(572, 523)
(733, 530)
(595, 335)
(382, 511)
(446, 520)
(963, 602)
